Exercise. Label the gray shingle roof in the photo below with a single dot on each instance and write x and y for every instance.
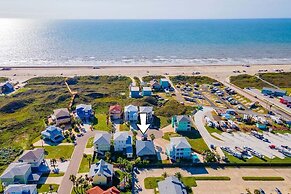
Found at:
(179, 142)
(145, 148)
(62, 112)
(171, 185)
(16, 169)
(131, 108)
(35, 154)
(20, 188)
(102, 138)
(121, 136)
(183, 118)
(146, 109)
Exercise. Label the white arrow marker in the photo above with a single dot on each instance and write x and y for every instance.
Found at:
(143, 126)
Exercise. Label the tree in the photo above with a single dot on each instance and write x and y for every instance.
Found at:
(89, 159)
(53, 162)
(152, 136)
(165, 175)
(51, 188)
(209, 156)
(178, 175)
(107, 156)
(73, 179)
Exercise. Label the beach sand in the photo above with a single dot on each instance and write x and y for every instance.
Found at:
(219, 72)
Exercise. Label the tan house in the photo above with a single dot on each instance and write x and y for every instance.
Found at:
(61, 116)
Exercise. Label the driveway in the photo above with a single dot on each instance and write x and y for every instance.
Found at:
(66, 185)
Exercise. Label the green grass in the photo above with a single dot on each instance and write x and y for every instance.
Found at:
(245, 80)
(192, 79)
(152, 182)
(124, 127)
(288, 90)
(59, 151)
(54, 174)
(45, 188)
(151, 77)
(212, 178)
(282, 80)
(213, 130)
(84, 166)
(101, 123)
(171, 108)
(262, 178)
(3, 79)
(168, 135)
(90, 142)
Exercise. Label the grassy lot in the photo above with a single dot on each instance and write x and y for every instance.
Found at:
(278, 79)
(151, 77)
(164, 121)
(262, 178)
(288, 90)
(59, 151)
(84, 166)
(213, 130)
(45, 188)
(90, 142)
(193, 137)
(124, 127)
(212, 178)
(3, 79)
(245, 80)
(171, 108)
(101, 123)
(54, 174)
(192, 79)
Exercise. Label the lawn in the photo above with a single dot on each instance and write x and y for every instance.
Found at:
(245, 80)
(261, 178)
(288, 90)
(59, 151)
(124, 127)
(53, 174)
(192, 79)
(282, 80)
(213, 130)
(90, 142)
(46, 188)
(3, 79)
(84, 166)
(101, 123)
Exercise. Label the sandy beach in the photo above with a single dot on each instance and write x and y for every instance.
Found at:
(219, 72)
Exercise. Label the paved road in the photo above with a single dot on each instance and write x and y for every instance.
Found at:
(199, 123)
(66, 185)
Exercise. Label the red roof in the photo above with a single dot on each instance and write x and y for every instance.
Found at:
(115, 108)
(112, 190)
(95, 190)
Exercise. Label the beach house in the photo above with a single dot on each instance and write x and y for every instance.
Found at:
(131, 113)
(146, 91)
(179, 148)
(102, 173)
(33, 157)
(165, 83)
(61, 116)
(145, 149)
(155, 85)
(53, 134)
(84, 112)
(181, 123)
(21, 189)
(273, 92)
(6, 88)
(148, 110)
(19, 173)
(171, 185)
(102, 142)
(123, 143)
(115, 112)
(134, 92)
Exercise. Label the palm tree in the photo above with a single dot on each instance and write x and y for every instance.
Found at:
(89, 159)
(165, 174)
(152, 136)
(107, 156)
(53, 162)
(73, 179)
(178, 175)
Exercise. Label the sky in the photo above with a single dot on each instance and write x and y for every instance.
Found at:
(145, 9)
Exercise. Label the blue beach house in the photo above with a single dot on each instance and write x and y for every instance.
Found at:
(181, 123)
(164, 83)
(84, 111)
(146, 91)
(130, 113)
(6, 88)
(179, 148)
(53, 134)
(134, 92)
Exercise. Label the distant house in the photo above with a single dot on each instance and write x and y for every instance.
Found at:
(123, 143)
(155, 85)
(98, 190)
(146, 91)
(34, 157)
(84, 112)
(145, 148)
(181, 123)
(102, 173)
(274, 92)
(286, 100)
(115, 112)
(19, 173)
(171, 185)
(20, 189)
(53, 134)
(61, 116)
(178, 148)
(165, 83)
(134, 92)
(148, 110)
(102, 142)
(130, 113)
(6, 88)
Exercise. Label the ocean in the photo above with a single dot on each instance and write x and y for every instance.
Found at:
(26, 42)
